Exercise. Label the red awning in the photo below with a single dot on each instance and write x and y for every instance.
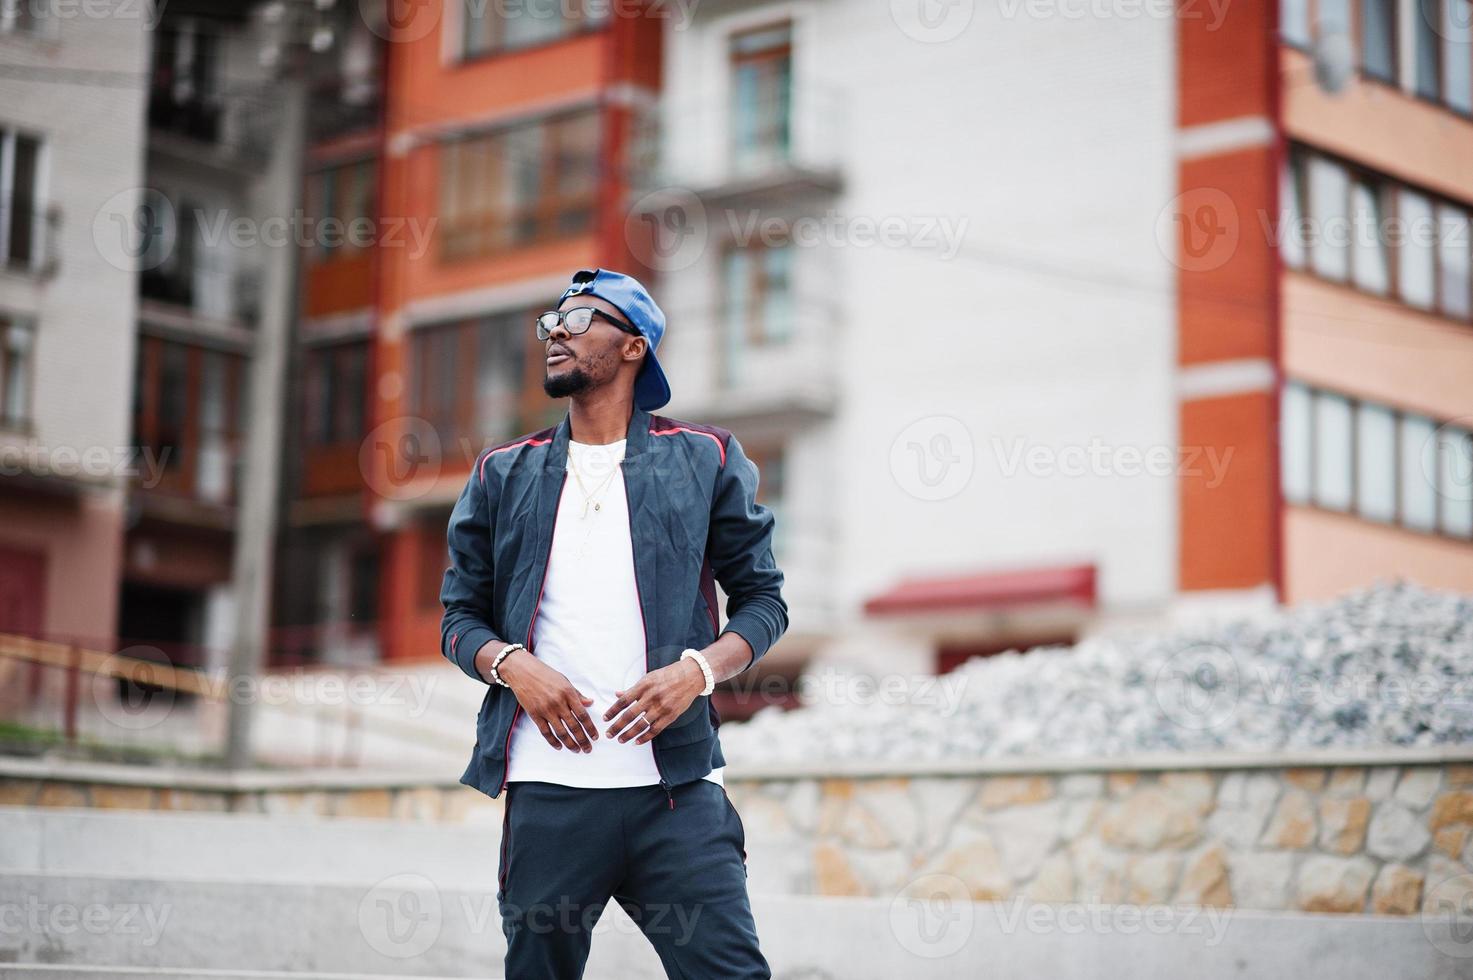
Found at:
(988, 590)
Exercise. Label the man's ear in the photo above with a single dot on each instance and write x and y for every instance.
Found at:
(640, 345)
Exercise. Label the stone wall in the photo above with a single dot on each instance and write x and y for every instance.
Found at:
(1382, 839)
(1384, 835)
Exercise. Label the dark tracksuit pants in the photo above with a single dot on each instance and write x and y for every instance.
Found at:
(680, 874)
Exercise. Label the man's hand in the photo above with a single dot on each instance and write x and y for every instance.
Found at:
(559, 709)
(656, 701)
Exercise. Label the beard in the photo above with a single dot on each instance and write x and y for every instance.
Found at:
(573, 382)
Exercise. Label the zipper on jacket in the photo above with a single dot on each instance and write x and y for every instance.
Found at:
(541, 587)
(644, 628)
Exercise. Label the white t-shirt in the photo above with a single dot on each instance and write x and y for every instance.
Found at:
(589, 627)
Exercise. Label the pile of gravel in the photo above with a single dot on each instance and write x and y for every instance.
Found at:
(1388, 666)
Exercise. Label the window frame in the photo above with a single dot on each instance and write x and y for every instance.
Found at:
(549, 208)
(1400, 419)
(583, 25)
(1298, 159)
(25, 422)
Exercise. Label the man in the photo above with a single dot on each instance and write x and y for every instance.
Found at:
(581, 589)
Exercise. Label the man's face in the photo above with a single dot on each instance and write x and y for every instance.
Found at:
(578, 363)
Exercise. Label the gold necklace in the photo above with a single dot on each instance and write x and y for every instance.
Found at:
(588, 498)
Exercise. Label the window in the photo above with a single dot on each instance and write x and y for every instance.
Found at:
(477, 378)
(1375, 462)
(761, 86)
(1368, 245)
(1332, 443)
(1457, 54)
(1292, 236)
(1297, 426)
(16, 340)
(1454, 268)
(340, 202)
(1455, 480)
(1376, 234)
(337, 393)
(1418, 464)
(1425, 40)
(185, 90)
(188, 410)
(1294, 22)
(1378, 38)
(1416, 270)
(1328, 199)
(22, 212)
(490, 28)
(27, 16)
(759, 294)
(772, 490)
(531, 183)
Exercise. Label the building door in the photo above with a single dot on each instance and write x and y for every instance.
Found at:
(22, 591)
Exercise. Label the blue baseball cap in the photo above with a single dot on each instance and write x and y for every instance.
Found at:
(630, 298)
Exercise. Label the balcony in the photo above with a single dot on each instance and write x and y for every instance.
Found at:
(768, 378)
(766, 153)
(30, 239)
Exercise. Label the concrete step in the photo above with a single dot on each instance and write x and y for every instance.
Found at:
(244, 847)
(408, 927)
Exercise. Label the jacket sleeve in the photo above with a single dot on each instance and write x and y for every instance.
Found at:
(740, 551)
(466, 590)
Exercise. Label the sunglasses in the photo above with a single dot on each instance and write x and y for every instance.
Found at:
(577, 320)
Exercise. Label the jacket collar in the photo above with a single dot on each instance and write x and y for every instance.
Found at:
(636, 438)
